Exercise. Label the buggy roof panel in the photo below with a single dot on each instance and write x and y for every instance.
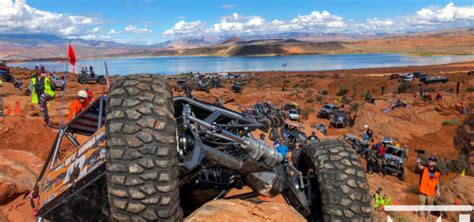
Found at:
(87, 122)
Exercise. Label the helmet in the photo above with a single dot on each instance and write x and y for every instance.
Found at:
(366, 126)
(433, 158)
(82, 94)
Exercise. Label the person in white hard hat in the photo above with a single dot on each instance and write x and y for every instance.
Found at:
(78, 105)
(368, 134)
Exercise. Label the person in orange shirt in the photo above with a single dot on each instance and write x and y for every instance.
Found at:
(429, 183)
(90, 96)
(78, 105)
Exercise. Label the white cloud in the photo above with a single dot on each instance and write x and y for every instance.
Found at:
(133, 29)
(449, 16)
(183, 28)
(449, 13)
(113, 32)
(18, 17)
(238, 24)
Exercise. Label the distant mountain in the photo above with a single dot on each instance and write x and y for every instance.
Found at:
(39, 46)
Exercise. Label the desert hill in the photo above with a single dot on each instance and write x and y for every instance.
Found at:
(17, 47)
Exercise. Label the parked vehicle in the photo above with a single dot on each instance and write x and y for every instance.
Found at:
(434, 79)
(395, 161)
(340, 119)
(292, 111)
(408, 77)
(5, 75)
(359, 146)
(178, 153)
(203, 85)
(294, 114)
(395, 76)
(236, 87)
(321, 128)
(327, 111)
(181, 84)
(292, 133)
(58, 82)
(387, 141)
(88, 75)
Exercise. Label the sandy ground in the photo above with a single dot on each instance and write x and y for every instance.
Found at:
(420, 126)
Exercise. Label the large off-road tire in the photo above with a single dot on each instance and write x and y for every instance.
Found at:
(101, 80)
(339, 189)
(267, 124)
(142, 165)
(403, 174)
(83, 80)
(273, 134)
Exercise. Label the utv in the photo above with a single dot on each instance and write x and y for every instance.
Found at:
(152, 157)
(292, 133)
(58, 82)
(236, 87)
(273, 113)
(261, 118)
(85, 77)
(181, 84)
(395, 159)
(203, 86)
(359, 146)
(5, 74)
(321, 128)
(340, 119)
(327, 111)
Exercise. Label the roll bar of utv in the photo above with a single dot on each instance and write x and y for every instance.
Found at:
(85, 123)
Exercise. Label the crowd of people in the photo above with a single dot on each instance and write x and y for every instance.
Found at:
(43, 92)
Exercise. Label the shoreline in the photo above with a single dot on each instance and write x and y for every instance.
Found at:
(145, 55)
(446, 68)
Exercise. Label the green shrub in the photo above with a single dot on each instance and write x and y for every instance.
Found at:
(404, 87)
(413, 189)
(346, 100)
(355, 106)
(470, 89)
(319, 98)
(336, 76)
(368, 95)
(305, 112)
(451, 122)
(310, 100)
(457, 165)
(342, 91)
(430, 89)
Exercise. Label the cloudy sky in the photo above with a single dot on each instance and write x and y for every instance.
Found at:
(152, 21)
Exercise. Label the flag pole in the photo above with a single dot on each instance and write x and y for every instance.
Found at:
(64, 95)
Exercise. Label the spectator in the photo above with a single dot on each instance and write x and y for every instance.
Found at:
(313, 136)
(295, 155)
(381, 151)
(262, 137)
(384, 166)
(78, 105)
(429, 183)
(371, 161)
(282, 148)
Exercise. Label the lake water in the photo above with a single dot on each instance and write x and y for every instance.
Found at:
(179, 64)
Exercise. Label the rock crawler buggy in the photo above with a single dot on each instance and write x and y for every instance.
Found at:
(152, 157)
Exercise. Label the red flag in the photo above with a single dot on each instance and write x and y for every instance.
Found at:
(71, 55)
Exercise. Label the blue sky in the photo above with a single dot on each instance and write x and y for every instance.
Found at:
(151, 21)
